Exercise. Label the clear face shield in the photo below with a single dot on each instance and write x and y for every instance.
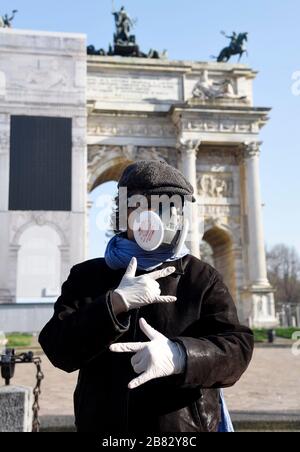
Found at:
(163, 226)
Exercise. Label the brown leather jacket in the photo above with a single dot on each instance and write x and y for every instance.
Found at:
(203, 319)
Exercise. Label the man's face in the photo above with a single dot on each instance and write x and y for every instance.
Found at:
(161, 204)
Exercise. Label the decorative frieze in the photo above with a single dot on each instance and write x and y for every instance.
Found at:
(117, 127)
(220, 210)
(218, 156)
(41, 74)
(208, 124)
(215, 185)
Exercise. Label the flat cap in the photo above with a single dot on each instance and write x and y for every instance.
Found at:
(155, 177)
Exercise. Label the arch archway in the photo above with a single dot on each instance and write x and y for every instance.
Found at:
(106, 163)
(104, 170)
(110, 172)
(39, 222)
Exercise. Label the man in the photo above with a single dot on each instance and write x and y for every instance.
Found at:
(233, 40)
(155, 334)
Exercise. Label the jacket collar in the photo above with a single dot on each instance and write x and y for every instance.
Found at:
(178, 264)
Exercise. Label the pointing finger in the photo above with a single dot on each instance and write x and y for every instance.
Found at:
(147, 329)
(146, 376)
(127, 347)
(165, 299)
(132, 266)
(162, 273)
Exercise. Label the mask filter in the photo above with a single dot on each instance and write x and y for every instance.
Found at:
(152, 230)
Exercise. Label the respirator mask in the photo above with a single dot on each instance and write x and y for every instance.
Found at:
(164, 227)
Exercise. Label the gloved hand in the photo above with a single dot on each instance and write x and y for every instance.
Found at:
(137, 291)
(160, 357)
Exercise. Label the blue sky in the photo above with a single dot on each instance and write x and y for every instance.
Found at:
(190, 30)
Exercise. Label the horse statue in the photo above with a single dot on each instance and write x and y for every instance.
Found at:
(236, 47)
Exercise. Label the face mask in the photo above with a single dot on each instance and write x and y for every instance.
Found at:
(152, 230)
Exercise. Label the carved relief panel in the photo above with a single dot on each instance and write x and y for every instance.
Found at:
(216, 185)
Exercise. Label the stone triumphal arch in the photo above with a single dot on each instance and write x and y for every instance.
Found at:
(109, 112)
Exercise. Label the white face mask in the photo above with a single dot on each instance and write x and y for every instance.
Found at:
(152, 230)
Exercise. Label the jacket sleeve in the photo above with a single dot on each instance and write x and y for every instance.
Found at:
(218, 348)
(77, 334)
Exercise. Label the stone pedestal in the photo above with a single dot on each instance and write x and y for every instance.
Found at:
(16, 409)
(263, 308)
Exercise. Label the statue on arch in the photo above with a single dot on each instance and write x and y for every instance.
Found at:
(124, 43)
(6, 21)
(209, 89)
(124, 24)
(236, 47)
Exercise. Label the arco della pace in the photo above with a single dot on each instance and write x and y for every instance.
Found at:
(90, 117)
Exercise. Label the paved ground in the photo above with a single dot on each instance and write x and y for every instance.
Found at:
(270, 384)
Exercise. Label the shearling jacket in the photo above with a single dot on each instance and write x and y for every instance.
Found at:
(203, 320)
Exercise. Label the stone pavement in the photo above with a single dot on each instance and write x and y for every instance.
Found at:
(270, 384)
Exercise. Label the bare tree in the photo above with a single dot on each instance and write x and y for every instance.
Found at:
(284, 273)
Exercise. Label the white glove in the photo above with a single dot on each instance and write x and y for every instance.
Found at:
(159, 358)
(137, 291)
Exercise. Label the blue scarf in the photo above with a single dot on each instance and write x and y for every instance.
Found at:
(120, 251)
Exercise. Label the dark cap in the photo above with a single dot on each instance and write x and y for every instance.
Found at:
(155, 177)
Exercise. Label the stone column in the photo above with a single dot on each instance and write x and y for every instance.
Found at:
(257, 257)
(260, 291)
(5, 294)
(188, 166)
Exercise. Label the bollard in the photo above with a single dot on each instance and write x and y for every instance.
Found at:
(18, 397)
(16, 409)
(271, 336)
